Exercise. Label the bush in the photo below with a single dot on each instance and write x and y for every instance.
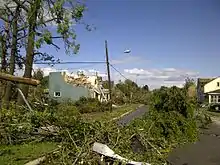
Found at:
(172, 99)
(66, 115)
(87, 105)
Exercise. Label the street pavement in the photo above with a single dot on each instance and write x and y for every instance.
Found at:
(135, 114)
(206, 151)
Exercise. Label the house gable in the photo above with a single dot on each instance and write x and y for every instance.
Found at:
(201, 82)
(212, 86)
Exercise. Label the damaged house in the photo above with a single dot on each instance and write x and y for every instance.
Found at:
(65, 87)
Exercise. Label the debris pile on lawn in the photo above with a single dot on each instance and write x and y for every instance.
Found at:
(106, 151)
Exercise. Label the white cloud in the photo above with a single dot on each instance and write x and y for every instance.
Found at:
(152, 77)
(160, 77)
(89, 72)
(137, 71)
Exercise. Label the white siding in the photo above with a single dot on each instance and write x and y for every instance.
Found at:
(212, 86)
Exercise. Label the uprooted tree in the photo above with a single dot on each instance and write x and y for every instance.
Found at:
(27, 27)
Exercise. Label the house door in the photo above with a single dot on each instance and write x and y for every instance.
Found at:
(96, 95)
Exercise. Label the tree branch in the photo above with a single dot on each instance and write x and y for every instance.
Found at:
(21, 80)
(21, 4)
(3, 18)
(55, 45)
(38, 23)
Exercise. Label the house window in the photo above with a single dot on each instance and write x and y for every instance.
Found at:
(57, 94)
(214, 99)
(218, 99)
(217, 84)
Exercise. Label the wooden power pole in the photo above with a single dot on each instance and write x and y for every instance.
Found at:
(109, 77)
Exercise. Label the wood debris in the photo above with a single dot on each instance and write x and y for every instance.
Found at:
(21, 80)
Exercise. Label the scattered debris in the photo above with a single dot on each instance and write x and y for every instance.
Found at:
(106, 151)
(36, 161)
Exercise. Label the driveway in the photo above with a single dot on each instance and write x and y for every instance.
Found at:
(128, 118)
(206, 151)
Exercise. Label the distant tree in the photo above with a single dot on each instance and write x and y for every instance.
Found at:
(45, 82)
(145, 87)
(190, 88)
(189, 82)
(105, 84)
(131, 83)
(38, 75)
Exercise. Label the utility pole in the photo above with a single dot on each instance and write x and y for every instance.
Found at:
(109, 77)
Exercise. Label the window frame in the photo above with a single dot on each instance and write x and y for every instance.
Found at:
(54, 94)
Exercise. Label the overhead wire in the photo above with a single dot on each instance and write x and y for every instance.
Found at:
(72, 62)
(82, 62)
(118, 71)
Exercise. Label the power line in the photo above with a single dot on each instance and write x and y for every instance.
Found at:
(72, 62)
(72, 68)
(82, 62)
(118, 71)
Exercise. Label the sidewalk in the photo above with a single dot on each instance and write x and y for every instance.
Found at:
(204, 152)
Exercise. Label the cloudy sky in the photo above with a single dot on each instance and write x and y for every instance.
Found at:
(169, 40)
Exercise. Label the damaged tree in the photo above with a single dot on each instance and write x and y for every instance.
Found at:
(35, 18)
(32, 19)
(60, 15)
(12, 64)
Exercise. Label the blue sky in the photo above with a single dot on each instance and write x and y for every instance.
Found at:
(168, 39)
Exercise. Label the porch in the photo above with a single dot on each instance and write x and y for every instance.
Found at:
(214, 98)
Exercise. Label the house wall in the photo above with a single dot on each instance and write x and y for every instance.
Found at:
(212, 86)
(67, 91)
(200, 94)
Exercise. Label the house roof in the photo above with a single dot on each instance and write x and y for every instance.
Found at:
(210, 88)
(205, 80)
(215, 92)
(201, 82)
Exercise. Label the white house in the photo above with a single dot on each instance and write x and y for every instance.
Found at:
(63, 86)
(212, 89)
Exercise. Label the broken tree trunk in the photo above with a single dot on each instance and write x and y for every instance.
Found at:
(32, 19)
(8, 92)
(20, 80)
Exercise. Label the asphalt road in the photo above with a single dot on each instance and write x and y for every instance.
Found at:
(206, 151)
(138, 113)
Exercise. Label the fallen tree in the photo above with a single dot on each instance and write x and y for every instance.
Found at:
(20, 80)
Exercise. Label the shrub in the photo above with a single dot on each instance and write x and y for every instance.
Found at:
(172, 99)
(66, 115)
(87, 105)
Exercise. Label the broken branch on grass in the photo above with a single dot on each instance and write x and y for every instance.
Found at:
(41, 159)
(117, 138)
(37, 161)
(72, 139)
(150, 144)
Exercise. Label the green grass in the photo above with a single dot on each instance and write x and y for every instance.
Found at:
(110, 115)
(21, 154)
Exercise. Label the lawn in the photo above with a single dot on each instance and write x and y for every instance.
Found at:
(107, 116)
(21, 154)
